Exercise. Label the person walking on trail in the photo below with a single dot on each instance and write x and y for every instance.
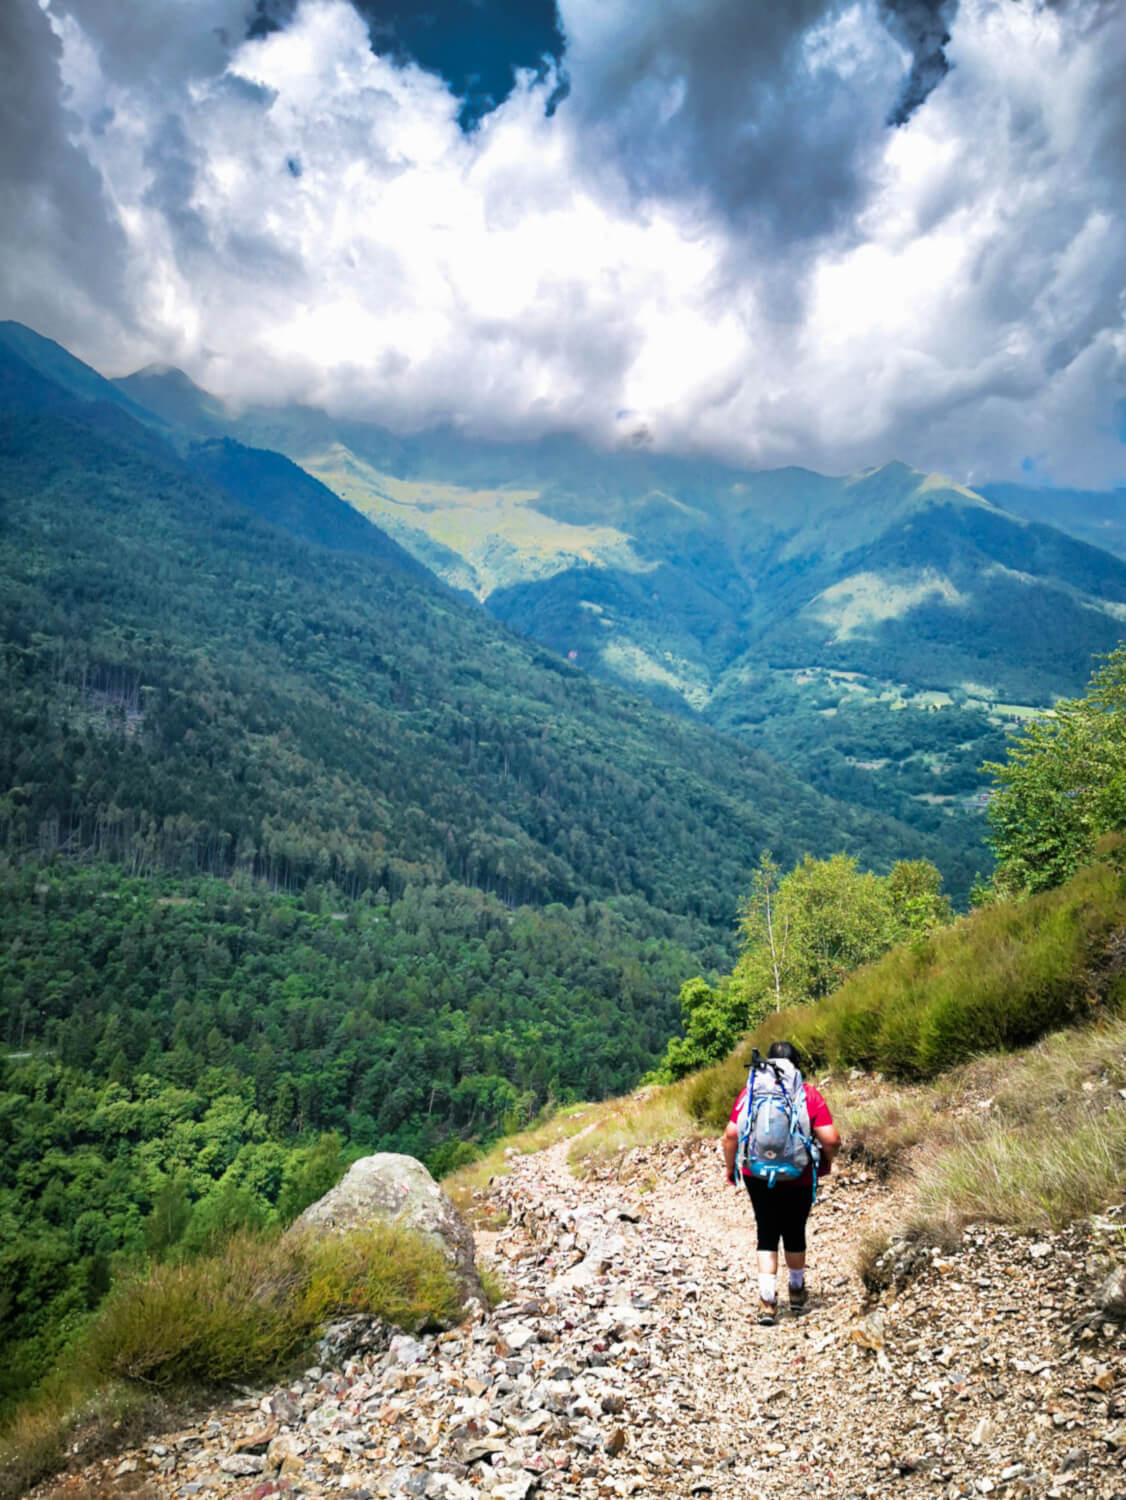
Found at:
(779, 1143)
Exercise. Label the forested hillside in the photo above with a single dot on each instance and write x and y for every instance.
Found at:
(189, 689)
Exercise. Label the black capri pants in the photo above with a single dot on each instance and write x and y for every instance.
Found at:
(780, 1213)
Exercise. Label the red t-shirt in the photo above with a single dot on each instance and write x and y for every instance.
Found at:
(818, 1115)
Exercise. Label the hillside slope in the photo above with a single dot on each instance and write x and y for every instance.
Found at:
(1094, 516)
(629, 1291)
(317, 713)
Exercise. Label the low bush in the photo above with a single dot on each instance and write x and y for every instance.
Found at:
(247, 1310)
(398, 1276)
(218, 1318)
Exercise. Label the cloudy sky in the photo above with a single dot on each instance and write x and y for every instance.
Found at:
(774, 230)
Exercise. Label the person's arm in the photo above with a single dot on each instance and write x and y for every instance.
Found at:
(730, 1145)
(830, 1138)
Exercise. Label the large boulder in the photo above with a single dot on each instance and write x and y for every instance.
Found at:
(391, 1189)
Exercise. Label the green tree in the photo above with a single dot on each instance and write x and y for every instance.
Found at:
(835, 917)
(917, 900)
(714, 1019)
(170, 1214)
(1062, 786)
(802, 935)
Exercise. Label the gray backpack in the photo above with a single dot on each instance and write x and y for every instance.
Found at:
(776, 1142)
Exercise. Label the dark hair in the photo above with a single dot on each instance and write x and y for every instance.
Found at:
(785, 1051)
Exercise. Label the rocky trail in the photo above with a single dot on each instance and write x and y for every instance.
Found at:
(626, 1362)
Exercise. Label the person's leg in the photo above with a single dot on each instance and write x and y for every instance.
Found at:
(769, 1231)
(794, 1211)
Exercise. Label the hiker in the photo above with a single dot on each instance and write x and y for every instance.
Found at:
(781, 1191)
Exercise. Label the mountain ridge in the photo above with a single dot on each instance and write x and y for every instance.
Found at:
(881, 630)
(797, 611)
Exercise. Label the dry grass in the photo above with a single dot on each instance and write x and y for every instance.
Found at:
(70, 1426)
(881, 1127)
(1036, 1140)
(467, 1186)
(641, 1119)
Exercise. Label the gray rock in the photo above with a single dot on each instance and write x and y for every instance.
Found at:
(517, 1488)
(391, 1189)
(352, 1336)
(405, 1351)
(1111, 1296)
(242, 1464)
(517, 1336)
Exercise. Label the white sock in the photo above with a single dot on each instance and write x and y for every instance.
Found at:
(767, 1286)
(797, 1279)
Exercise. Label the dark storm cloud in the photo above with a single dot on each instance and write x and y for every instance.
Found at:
(765, 111)
(173, 163)
(61, 241)
(923, 27)
(814, 231)
(156, 45)
(710, 101)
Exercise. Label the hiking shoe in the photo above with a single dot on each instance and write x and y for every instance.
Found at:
(767, 1313)
(799, 1299)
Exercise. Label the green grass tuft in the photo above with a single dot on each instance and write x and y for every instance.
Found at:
(247, 1310)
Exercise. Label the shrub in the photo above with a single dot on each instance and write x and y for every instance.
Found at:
(240, 1314)
(211, 1320)
(247, 1310)
(398, 1276)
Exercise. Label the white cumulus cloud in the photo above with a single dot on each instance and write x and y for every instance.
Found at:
(717, 234)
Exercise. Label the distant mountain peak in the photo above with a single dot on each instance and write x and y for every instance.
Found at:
(174, 396)
(170, 373)
(894, 467)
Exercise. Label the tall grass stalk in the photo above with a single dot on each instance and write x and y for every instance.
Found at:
(1042, 1181)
